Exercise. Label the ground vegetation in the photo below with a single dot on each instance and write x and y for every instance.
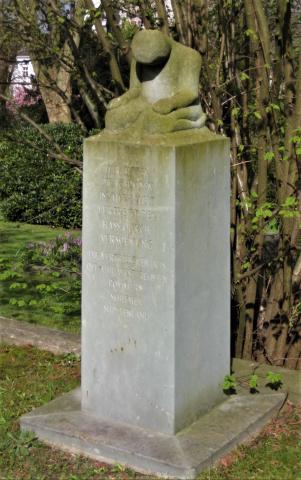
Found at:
(29, 378)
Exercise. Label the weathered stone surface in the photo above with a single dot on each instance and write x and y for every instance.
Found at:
(156, 277)
(181, 456)
(163, 95)
(18, 332)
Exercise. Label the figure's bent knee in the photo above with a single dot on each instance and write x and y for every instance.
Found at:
(124, 116)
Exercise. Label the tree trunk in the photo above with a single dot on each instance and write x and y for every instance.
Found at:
(57, 109)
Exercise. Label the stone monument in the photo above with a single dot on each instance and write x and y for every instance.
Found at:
(156, 280)
(152, 248)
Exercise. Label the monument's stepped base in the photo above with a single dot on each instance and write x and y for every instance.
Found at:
(63, 424)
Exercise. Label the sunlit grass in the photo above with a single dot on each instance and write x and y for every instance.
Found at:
(13, 238)
(30, 378)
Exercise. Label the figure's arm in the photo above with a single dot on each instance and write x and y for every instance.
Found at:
(133, 91)
(184, 98)
(124, 99)
(186, 69)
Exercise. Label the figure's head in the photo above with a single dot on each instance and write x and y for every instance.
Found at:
(150, 46)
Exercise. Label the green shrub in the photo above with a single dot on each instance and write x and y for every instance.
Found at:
(34, 187)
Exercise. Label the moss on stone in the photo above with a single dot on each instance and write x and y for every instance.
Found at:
(163, 94)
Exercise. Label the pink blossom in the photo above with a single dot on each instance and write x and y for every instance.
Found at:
(21, 98)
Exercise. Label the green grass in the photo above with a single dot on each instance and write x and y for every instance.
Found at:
(14, 237)
(30, 378)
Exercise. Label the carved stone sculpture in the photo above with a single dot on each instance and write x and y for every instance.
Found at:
(163, 94)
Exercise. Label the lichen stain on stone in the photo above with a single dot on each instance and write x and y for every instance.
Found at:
(124, 347)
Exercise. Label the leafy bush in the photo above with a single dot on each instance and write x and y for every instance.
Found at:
(36, 188)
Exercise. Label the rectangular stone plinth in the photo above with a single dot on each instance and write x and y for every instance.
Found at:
(63, 424)
(156, 277)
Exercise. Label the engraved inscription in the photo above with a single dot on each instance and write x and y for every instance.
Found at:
(127, 222)
(129, 184)
(125, 241)
(122, 213)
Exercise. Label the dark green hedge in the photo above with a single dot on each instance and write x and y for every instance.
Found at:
(34, 188)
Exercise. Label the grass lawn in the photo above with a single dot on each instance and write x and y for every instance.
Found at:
(29, 378)
(27, 304)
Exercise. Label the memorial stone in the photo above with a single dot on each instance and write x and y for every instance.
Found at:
(155, 313)
(152, 248)
(156, 281)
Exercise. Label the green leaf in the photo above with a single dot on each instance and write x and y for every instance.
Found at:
(33, 302)
(269, 156)
(265, 211)
(18, 285)
(250, 33)
(290, 202)
(258, 115)
(243, 76)
(253, 383)
(229, 384)
(60, 309)
(289, 207)
(288, 213)
(274, 380)
(273, 226)
(273, 106)
(235, 111)
(246, 265)
(9, 274)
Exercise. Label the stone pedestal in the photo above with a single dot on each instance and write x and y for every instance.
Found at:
(156, 278)
(156, 310)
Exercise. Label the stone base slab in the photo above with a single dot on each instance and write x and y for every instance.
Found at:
(63, 424)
